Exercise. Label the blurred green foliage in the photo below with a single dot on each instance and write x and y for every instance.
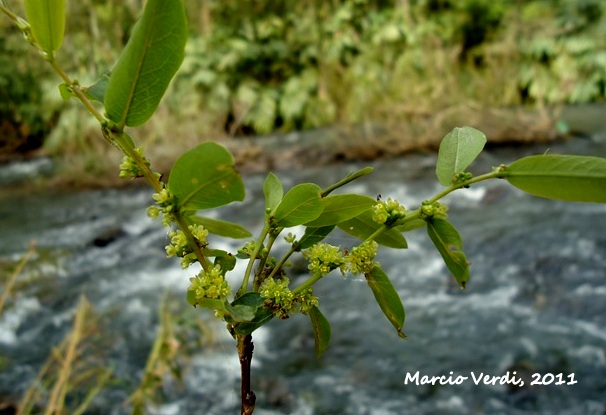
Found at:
(259, 66)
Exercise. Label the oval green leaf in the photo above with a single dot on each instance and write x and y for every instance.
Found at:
(362, 226)
(387, 297)
(273, 191)
(570, 178)
(450, 245)
(221, 227)
(204, 178)
(46, 19)
(458, 150)
(321, 328)
(339, 208)
(147, 64)
(300, 205)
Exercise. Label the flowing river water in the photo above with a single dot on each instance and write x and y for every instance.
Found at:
(536, 303)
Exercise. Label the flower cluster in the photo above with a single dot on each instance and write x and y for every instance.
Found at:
(306, 300)
(323, 258)
(388, 212)
(433, 210)
(282, 301)
(165, 205)
(278, 296)
(179, 246)
(129, 168)
(210, 284)
(361, 258)
(461, 177)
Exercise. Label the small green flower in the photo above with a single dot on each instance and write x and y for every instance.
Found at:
(306, 300)
(388, 212)
(462, 177)
(166, 206)
(290, 238)
(361, 258)
(200, 233)
(129, 168)
(210, 284)
(431, 210)
(278, 296)
(323, 258)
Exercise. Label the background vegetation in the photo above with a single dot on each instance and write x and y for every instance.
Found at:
(255, 67)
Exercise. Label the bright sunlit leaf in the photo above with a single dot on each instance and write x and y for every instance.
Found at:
(458, 150)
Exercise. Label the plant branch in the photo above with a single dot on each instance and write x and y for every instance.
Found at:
(245, 353)
(492, 175)
(253, 257)
(280, 264)
(311, 281)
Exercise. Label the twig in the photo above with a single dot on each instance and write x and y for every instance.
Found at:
(245, 352)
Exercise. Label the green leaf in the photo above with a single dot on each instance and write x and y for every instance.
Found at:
(362, 226)
(262, 316)
(253, 299)
(340, 208)
(204, 178)
(299, 205)
(65, 91)
(47, 22)
(411, 225)
(458, 150)
(273, 191)
(226, 261)
(221, 227)
(314, 235)
(347, 179)
(321, 328)
(234, 313)
(450, 245)
(147, 64)
(96, 91)
(387, 297)
(570, 178)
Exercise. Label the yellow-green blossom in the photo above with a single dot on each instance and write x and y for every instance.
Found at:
(435, 209)
(361, 258)
(278, 296)
(210, 284)
(323, 258)
(388, 212)
(306, 300)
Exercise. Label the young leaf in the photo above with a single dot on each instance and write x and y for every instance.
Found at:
(458, 150)
(221, 227)
(147, 64)
(273, 191)
(226, 261)
(96, 91)
(299, 205)
(314, 235)
(450, 245)
(47, 22)
(570, 178)
(204, 178)
(387, 297)
(362, 226)
(347, 179)
(340, 208)
(262, 316)
(321, 328)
